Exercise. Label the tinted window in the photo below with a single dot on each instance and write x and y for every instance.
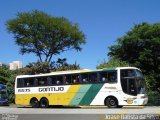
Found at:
(75, 78)
(128, 81)
(42, 81)
(110, 76)
(103, 76)
(29, 82)
(49, 79)
(20, 82)
(132, 87)
(59, 80)
(67, 79)
(84, 78)
(93, 77)
(128, 73)
(124, 85)
(53, 81)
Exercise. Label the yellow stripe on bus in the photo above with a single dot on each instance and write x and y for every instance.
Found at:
(64, 98)
(53, 98)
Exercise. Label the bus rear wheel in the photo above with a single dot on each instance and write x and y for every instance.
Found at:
(111, 102)
(44, 103)
(34, 103)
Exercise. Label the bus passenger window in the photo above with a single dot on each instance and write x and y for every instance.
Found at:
(59, 80)
(49, 79)
(67, 79)
(93, 77)
(112, 76)
(42, 81)
(20, 82)
(103, 76)
(75, 79)
(29, 82)
(84, 78)
(53, 80)
(36, 81)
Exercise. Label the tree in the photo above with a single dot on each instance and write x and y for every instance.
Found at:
(4, 76)
(8, 78)
(113, 62)
(35, 68)
(140, 47)
(44, 35)
(61, 65)
(43, 67)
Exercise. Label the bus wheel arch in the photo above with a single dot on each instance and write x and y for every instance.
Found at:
(34, 102)
(44, 103)
(111, 102)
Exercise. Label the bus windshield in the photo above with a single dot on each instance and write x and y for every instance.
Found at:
(132, 81)
(140, 82)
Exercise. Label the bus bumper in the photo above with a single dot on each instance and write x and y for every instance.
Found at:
(143, 100)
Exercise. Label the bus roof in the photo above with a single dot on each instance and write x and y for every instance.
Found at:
(75, 71)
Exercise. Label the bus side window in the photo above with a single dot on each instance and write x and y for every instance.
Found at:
(29, 82)
(103, 76)
(67, 79)
(93, 77)
(75, 79)
(53, 81)
(42, 81)
(36, 81)
(112, 76)
(49, 79)
(59, 80)
(84, 78)
(20, 82)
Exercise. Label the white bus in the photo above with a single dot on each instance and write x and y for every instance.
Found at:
(112, 87)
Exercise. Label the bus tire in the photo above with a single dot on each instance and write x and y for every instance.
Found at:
(111, 102)
(44, 103)
(34, 103)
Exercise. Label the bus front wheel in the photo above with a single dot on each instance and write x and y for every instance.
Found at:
(111, 102)
(34, 103)
(44, 103)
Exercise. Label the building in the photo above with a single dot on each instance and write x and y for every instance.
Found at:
(1, 64)
(15, 65)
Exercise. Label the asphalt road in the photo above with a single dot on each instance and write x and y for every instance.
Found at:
(85, 113)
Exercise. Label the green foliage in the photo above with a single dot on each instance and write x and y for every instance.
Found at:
(62, 65)
(44, 35)
(7, 78)
(140, 47)
(113, 62)
(44, 67)
(4, 75)
(35, 68)
(153, 98)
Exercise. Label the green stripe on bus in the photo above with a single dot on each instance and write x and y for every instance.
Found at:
(80, 94)
(90, 94)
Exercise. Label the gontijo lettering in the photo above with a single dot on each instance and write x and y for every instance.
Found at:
(47, 89)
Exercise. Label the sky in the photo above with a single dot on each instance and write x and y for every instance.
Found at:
(102, 21)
